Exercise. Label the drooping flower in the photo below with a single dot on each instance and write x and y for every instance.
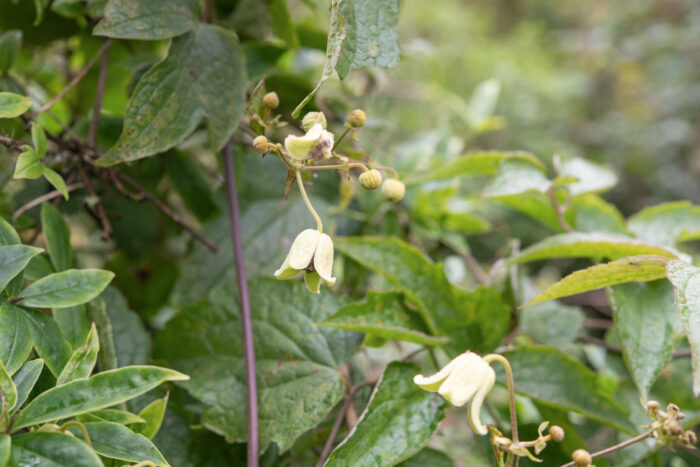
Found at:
(467, 378)
(311, 252)
(317, 143)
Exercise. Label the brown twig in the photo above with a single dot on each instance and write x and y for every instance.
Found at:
(12, 143)
(47, 197)
(97, 108)
(597, 323)
(558, 210)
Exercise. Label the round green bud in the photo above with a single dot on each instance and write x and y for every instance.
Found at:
(357, 118)
(371, 179)
(271, 100)
(311, 118)
(582, 458)
(261, 144)
(393, 190)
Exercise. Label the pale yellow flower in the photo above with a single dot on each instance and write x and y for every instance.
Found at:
(317, 143)
(311, 252)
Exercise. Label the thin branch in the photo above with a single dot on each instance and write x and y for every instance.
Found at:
(559, 210)
(76, 79)
(47, 197)
(97, 108)
(101, 213)
(12, 143)
(246, 320)
(597, 323)
(617, 447)
(475, 268)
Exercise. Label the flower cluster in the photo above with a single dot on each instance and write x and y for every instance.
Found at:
(666, 426)
(311, 252)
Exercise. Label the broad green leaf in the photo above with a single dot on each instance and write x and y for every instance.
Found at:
(648, 326)
(48, 341)
(298, 364)
(632, 269)
(15, 337)
(52, 450)
(9, 391)
(533, 204)
(116, 441)
(516, 176)
(57, 235)
(112, 415)
(591, 213)
(590, 177)
(13, 259)
(203, 76)
(131, 341)
(82, 361)
(398, 422)
(55, 179)
(667, 223)
(13, 105)
(107, 355)
(383, 315)
(97, 392)
(5, 446)
(188, 180)
(73, 323)
(38, 267)
(153, 415)
(28, 165)
(482, 102)
(25, 379)
(69, 8)
(370, 34)
(39, 140)
(446, 310)
(150, 20)
(590, 245)
(556, 379)
(686, 279)
(8, 235)
(281, 22)
(10, 44)
(429, 457)
(68, 288)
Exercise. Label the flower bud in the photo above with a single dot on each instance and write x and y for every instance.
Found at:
(582, 458)
(261, 144)
(689, 438)
(371, 179)
(312, 118)
(357, 118)
(271, 100)
(557, 433)
(393, 190)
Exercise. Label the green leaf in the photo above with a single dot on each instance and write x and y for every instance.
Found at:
(648, 326)
(533, 204)
(73, 323)
(151, 20)
(97, 313)
(68, 288)
(13, 259)
(5, 446)
(38, 267)
(9, 391)
(429, 457)
(667, 223)
(686, 279)
(383, 315)
(446, 310)
(370, 36)
(13, 105)
(57, 235)
(556, 379)
(28, 165)
(590, 245)
(69, 8)
(632, 269)
(48, 341)
(591, 213)
(298, 364)
(25, 379)
(563, 323)
(516, 176)
(281, 22)
(116, 441)
(589, 176)
(82, 361)
(10, 44)
(131, 340)
(52, 449)
(203, 76)
(55, 179)
(398, 422)
(15, 337)
(97, 392)
(482, 102)
(8, 235)
(153, 415)
(187, 178)
(112, 415)
(39, 140)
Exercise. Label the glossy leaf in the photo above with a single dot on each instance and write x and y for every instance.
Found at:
(152, 415)
(203, 76)
(150, 20)
(9, 391)
(48, 341)
(667, 223)
(28, 165)
(648, 326)
(107, 355)
(52, 449)
(116, 441)
(97, 392)
(8, 235)
(398, 422)
(632, 269)
(68, 288)
(55, 179)
(39, 140)
(10, 44)
(25, 379)
(57, 235)
(383, 315)
(5, 446)
(112, 415)
(73, 323)
(13, 259)
(82, 361)
(15, 337)
(13, 105)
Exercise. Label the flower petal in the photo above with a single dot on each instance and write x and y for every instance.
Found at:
(302, 251)
(465, 380)
(477, 402)
(323, 259)
(286, 271)
(432, 383)
(298, 147)
(312, 281)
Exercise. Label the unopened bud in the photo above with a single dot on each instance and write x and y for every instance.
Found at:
(689, 438)
(261, 144)
(357, 118)
(371, 179)
(582, 458)
(557, 433)
(311, 118)
(271, 100)
(652, 405)
(393, 190)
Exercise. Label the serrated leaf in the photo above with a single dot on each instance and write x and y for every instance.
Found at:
(10, 44)
(68, 288)
(25, 379)
(82, 361)
(589, 176)
(298, 364)
(9, 391)
(203, 76)
(57, 236)
(15, 337)
(398, 421)
(558, 380)
(152, 415)
(55, 179)
(52, 449)
(151, 20)
(595, 245)
(383, 315)
(13, 105)
(97, 392)
(48, 341)
(648, 326)
(631, 269)
(116, 441)
(13, 259)
(686, 279)
(667, 223)
(446, 310)
(28, 165)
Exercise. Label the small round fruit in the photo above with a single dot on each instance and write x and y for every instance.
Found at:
(557, 433)
(271, 100)
(393, 190)
(371, 179)
(582, 458)
(357, 118)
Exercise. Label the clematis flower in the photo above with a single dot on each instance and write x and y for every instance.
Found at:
(467, 378)
(311, 252)
(317, 143)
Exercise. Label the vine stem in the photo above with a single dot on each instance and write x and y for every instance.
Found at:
(494, 357)
(244, 298)
(617, 447)
(300, 182)
(559, 210)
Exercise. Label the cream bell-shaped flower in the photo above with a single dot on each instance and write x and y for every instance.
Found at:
(317, 143)
(311, 252)
(467, 378)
